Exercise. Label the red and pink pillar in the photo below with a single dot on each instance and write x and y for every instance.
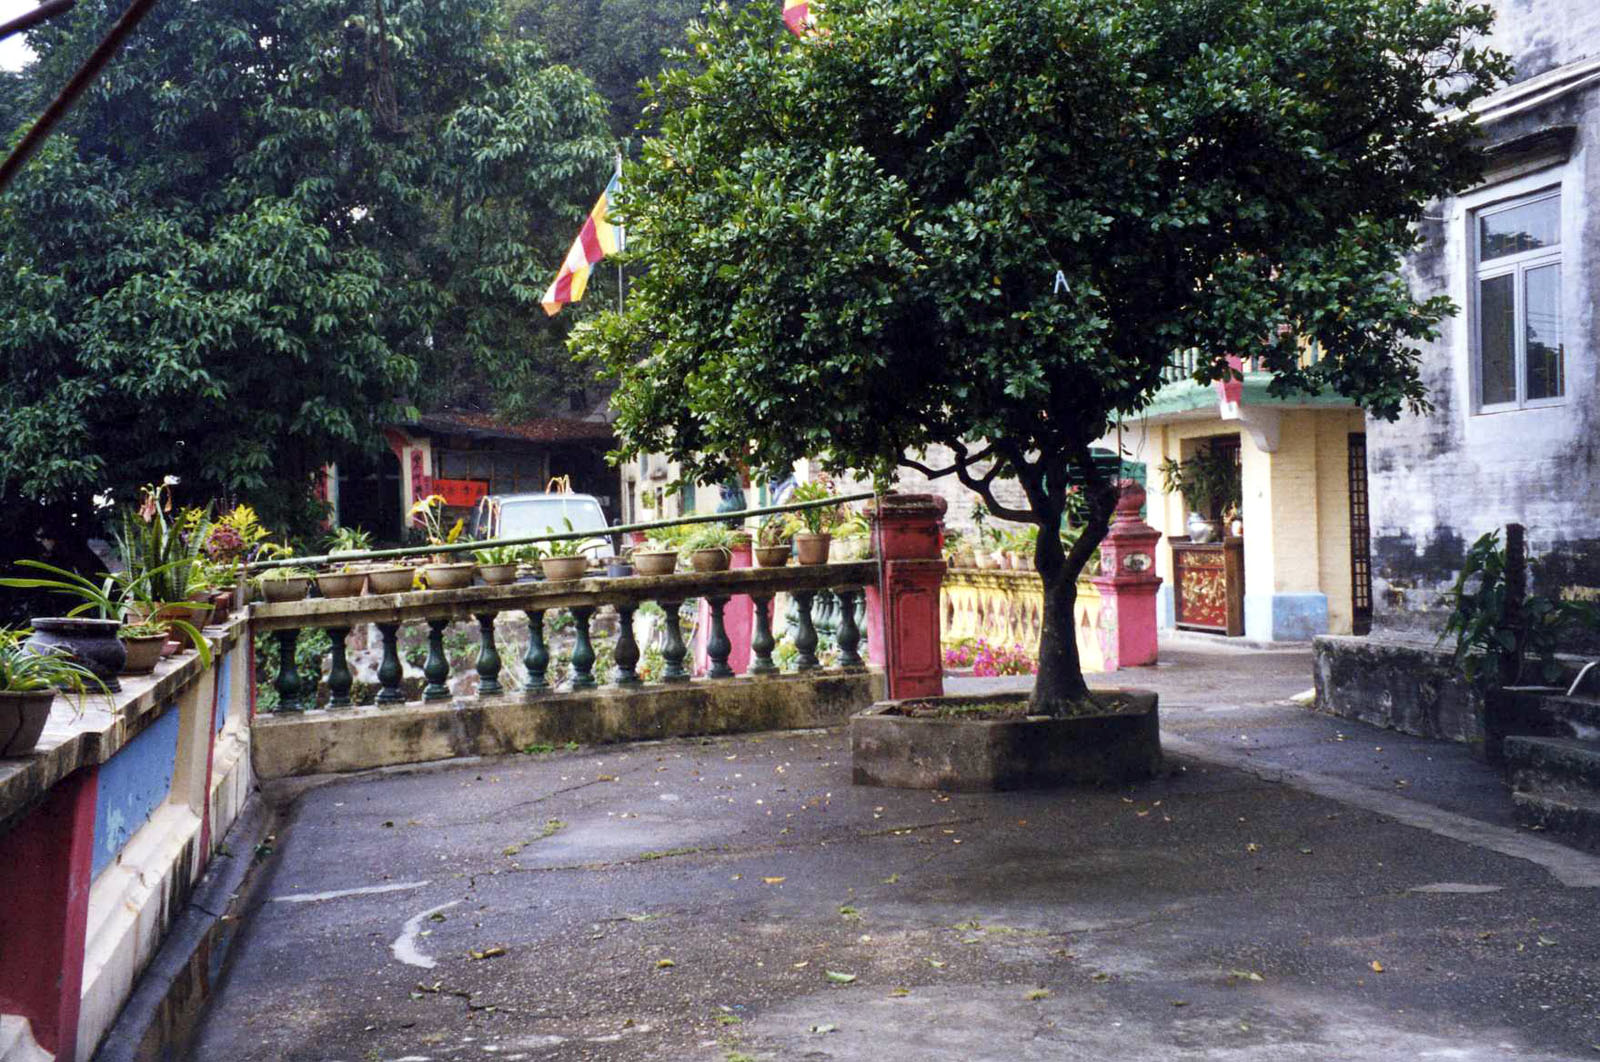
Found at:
(1128, 583)
(903, 612)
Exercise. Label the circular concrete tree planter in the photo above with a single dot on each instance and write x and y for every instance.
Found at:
(1122, 744)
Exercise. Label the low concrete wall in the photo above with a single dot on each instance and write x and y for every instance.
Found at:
(361, 738)
(1411, 688)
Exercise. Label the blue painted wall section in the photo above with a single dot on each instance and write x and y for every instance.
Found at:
(224, 689)
(1285, 617)
(133, 783)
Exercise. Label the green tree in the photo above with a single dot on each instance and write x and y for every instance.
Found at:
(265, 225)
(851, 244)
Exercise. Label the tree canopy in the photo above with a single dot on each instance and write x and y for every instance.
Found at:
(266, 224)
(992, 226)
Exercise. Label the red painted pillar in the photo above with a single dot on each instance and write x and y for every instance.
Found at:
(45, 864)
(903, 619)
(738, 619)
(1128, 584)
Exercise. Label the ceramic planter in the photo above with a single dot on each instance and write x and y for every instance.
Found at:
(498, 574)
(656, 562)
(392, 580)
(812, 548)
(772, 556)
(710, 560)
(618, 569)
(22, 719)
(341, 584)
(292, 589)
(448, 576)
(564, 569)
(143, 654)
(91, 642)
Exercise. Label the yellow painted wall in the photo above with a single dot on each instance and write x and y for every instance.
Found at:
(1296, 501)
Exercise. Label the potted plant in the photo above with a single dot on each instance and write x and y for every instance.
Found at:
(29, 680)
(852, 537)
(443, 573)
(345, 577)
(1209, 481)
(774, 542)
(662, 556)
(122, 602)
(392, 579)
(620, 566)
(814, 531)
(144, 642)
(288, 583)
(566, 558)
(497, 565)
(710, 548)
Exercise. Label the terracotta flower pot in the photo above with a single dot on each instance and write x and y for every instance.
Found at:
(143, 654)
(448, 576)
(772, 556)
(564, 569)
(498, 574)
(222, 605)
(396, 579)
(284, 589)
(812, 548)
(22, 719)
(710, 560)
(656, 562)
(341, 584)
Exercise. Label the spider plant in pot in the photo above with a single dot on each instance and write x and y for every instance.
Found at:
(497, 565)
(661, 555)
(710, 548)
(774, 542)
(345, 576)
(814, 525)
(29, 680)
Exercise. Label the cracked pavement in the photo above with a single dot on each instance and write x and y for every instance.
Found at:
(738, 898)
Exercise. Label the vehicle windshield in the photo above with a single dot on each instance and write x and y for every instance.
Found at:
(536, 516)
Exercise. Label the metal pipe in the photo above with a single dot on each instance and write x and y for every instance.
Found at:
(43, 13)
(80, 81)
(463, 547)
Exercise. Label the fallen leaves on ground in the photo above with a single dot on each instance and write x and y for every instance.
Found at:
(840, 978)
(490, 952)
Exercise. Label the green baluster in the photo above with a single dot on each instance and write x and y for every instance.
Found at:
(849, 635)
(762, 644)
(389, 673)
(717, 645)
(488, 656)
(674, 652)
(583, 652)
(288, 683)
(437, 666)
(805, 639)
(537, 658)
(339, 680)
(627, 653)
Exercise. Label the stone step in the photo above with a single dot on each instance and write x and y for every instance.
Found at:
(1539, 712)
(1573, 816)
(1553, 765)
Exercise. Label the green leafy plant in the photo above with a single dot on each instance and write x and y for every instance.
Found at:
(349, 540)
(709, 536)
(288, 571)
(493, 555)
(1209, 481)
(821, 518)
(569, 547)
(1494, 631)
(143, 629)
(668, 538)
(775, 530)
(25, 670)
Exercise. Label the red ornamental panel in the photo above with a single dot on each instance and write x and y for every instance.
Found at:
(461, 493)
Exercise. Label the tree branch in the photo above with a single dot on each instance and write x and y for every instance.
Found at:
(942, 472)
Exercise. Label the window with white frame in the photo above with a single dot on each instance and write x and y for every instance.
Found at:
(1517, 302)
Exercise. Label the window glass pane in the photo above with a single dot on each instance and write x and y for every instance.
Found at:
(1521, 228)
(1497, 345)
(1543, 313)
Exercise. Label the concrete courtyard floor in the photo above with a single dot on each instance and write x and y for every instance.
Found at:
(1298, 887)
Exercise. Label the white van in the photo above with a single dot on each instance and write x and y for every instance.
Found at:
(525, 515)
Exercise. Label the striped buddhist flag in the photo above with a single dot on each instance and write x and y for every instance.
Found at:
(797, 16)
(598, 238)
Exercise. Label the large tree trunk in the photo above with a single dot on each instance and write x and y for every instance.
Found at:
(1059, 689)
(1059, 685)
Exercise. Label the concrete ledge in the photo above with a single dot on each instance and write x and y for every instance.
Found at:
(357, 739)
(975, 755)
(1409, 688)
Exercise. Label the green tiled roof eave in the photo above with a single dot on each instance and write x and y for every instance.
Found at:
(1187, 396)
